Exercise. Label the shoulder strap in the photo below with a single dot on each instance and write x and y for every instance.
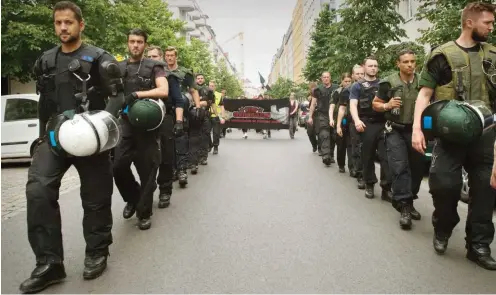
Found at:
(123, 68)
(49, 60)
(90, 54)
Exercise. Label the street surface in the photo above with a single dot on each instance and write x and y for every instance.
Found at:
(265, 216)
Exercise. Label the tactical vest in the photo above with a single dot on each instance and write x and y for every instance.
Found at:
(180, 73)
(367, 94)
(408, 94)
(51, 102)
(218, 97)
(323, 99)
(336, 107)
(142, 80)
(469, 81)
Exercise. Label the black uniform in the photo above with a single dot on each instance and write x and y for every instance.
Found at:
(57, 87)
(138, 146)
(323, 95)
(167, 140)
(312, 132)
(445, 178)
(342, 143)
(206, 128)
(351, 136)
(372, 138)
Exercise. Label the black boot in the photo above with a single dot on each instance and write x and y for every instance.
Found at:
(353, 173)
(43, 276)
(481, 254)
(406, 216)
(183, 178)
(194, 170)
(387, 195)
(216, 150)
(369, 191)
(94, 267)
(440, 242)
(361, 183)
(341, 170)
(415, 214)
(332, 160)
(326, 161)
(174, 175)
(164, 200)
(144, 223)
(129, 211)
(203, 161)
(314, 149)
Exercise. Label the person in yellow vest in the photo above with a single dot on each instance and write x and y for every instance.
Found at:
(396, 98)
(217, 114)
(461, 70)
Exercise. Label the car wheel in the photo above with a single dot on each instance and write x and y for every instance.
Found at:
(464, 194)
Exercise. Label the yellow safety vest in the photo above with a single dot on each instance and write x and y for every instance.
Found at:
(218, 97)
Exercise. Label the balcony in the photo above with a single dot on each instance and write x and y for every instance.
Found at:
(190, 26)
(185, 5)
(200, 22)
(195, 34)
(195, 15)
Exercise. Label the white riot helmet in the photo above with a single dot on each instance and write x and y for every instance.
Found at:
(86, 134)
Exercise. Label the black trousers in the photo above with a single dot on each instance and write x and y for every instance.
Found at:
(167, 148)
(215, 125)
(195, 140)
(293, 124)
(143, 149)
(324, 130)
(373, 140)
(356, 150)
(405, 163)
(206, 139)
(343, 146)
(445, 182)
(43, 211)
(313, 135)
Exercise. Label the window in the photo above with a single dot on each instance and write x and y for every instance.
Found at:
(21, 109)
(409, 9)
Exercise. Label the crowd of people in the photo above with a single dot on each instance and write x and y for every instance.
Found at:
(365, 117)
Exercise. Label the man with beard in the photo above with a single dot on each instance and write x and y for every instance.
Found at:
(463, 70)
(347, 128)
(59, 85)
(321, 103)
(370, 125)
(200, 129)
(143, 79)
(396, 98)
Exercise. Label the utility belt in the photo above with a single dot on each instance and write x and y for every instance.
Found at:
(390, 125)
(372, 119)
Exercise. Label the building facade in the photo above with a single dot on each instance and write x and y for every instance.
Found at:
(303, 19)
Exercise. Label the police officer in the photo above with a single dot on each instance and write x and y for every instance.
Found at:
(321, 103)
(143, 78)
(60, 74)
(312, 131)
(186, 82)
(206, 101)
(396, 98)
(216, 117)
(347, 128)
(462, 70)
(342, 142)
(370, 124)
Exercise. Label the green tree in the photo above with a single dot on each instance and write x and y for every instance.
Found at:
(444, 16)
(282, 88)
(197, 57)
(225, 80)
(388, 56)
(362, 31)
(317, 61)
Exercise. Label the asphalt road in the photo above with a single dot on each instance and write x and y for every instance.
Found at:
(264, 216)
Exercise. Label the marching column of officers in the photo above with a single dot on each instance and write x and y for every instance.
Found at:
(182, 141)
(383, 117)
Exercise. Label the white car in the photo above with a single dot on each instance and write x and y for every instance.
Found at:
(20, 128)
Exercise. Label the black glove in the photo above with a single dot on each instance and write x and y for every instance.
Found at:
(129, 99)
(178, 129)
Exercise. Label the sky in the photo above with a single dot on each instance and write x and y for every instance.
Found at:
(264, 23)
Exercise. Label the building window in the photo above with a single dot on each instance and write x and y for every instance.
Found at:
(409, 9)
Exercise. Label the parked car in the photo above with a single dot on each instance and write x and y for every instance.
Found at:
(20, 128)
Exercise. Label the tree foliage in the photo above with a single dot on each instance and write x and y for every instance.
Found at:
(282, 88)
(225, 80)
(317, 61)
(444, 16)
